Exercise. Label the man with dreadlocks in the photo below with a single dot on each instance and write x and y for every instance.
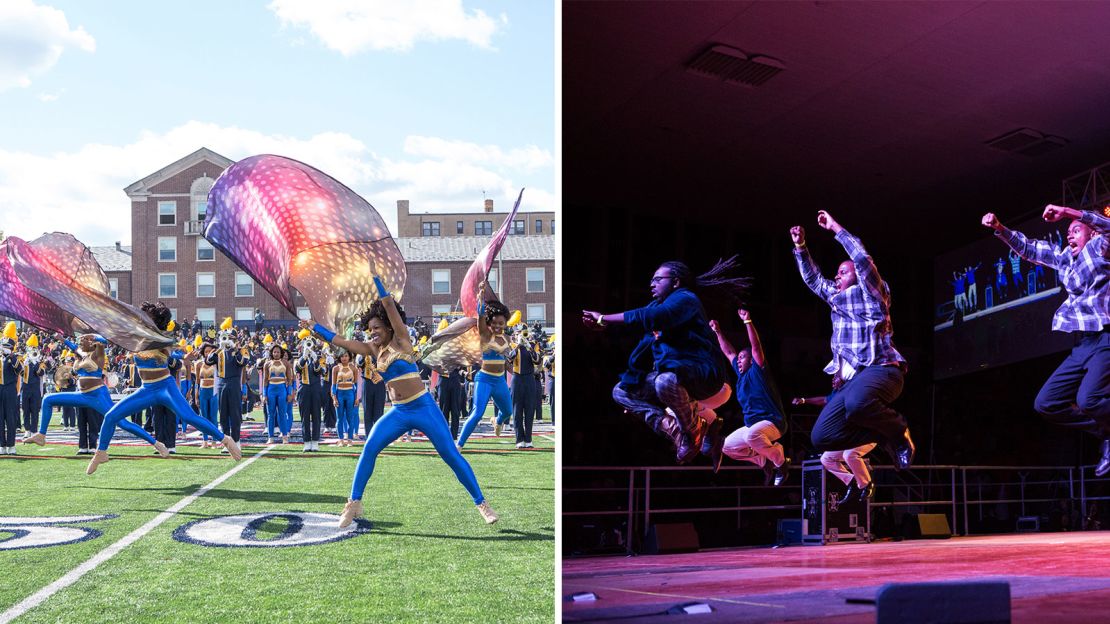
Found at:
(863, 351)
(677, 362)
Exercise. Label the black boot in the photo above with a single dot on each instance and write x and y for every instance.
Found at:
(902, 452)
(867, 492)
(768, 473)
(852, 493)
(1103, 466)
(782, 472)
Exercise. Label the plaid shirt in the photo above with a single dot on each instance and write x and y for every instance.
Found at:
(862, 333)
(1086, 277)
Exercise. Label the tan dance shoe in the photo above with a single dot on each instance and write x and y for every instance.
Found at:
(37, 438)
(99, 457)
(352, 510)
(232, 448)
(162, 450)
(488, 514)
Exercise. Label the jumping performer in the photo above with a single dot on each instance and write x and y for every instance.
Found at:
(676, 363)
(159, 388)
(1077, 394)
(764, 420)
(413, 407)
(863, 351)
(91, 395)
(490, 381)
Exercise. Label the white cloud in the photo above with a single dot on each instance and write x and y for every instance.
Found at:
(82, 191)
(51, 97)
(32, 39)
(353, 26)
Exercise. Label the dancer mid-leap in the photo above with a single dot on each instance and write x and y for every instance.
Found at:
(863, 351)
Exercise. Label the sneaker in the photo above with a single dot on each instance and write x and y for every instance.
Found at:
(307, 447)
(82, 451)
(521, 445)
(37, 438)
(352, 510)
(528, 445)
(223, 452)
(99, 457)
(162, 450)
(172, 451)
(489, 515)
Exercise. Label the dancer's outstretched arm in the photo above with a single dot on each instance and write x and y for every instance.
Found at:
(722, 342)
(1035, 251)
(811, 275)
(866, 272)
(753, 337)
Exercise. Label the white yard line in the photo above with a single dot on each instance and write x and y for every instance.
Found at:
(548, 437)
(75, 574)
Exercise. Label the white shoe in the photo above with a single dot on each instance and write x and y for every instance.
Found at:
(521, 445)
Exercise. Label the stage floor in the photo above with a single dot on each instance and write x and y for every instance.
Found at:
(1054, 577)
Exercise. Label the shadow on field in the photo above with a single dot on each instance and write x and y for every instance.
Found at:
(505, 535)
(243, 495)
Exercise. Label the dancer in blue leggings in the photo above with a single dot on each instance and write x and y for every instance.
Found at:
(413, 407)
(490, 381)
(277, 393)
(204, 387)
(345, 398)
(159, 388)
(91, 394)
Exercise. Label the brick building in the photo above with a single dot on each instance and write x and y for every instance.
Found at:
(485, 223)
(169, 260)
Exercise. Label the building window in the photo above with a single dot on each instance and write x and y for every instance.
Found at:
(518, 226)
(207, 316)
(492, 278)
(459, 225)
(173, 314)
(553, 227)
(206, 284)
(539, 226)
(205, 250)
(441, 281)
(535, 280)
(244, 285)
(537, 312)
(167, 285)
(113, 287)
(167, 213)
(440, 310)
(198, 195)
(429, 228)
(244, 314)
(483, 228)
(167, 249)
(304, 313)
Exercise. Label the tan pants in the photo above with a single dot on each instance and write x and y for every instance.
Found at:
(756, 444)
(847, 464)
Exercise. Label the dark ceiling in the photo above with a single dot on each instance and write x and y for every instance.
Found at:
(882, 109)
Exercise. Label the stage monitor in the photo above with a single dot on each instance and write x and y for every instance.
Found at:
(994, 308)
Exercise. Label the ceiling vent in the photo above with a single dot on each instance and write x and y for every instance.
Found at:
(1027, 142)
(734, 67)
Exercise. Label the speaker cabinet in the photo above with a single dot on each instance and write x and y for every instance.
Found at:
(679, 537)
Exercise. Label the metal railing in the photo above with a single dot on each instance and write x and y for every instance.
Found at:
(964, 493)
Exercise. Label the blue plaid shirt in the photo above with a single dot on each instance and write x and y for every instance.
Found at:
(1086, 277)
(862, 333)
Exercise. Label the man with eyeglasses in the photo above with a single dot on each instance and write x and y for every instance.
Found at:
(676, 363)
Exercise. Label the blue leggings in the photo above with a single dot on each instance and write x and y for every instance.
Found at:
(98, 400)
(486, 386)
(346, 413)
(423, 414)
(277, 409)
(209, 404)
(165, 393)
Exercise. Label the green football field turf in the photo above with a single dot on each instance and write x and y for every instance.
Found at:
(428, 556)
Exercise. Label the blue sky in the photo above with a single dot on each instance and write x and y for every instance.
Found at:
(434, 102)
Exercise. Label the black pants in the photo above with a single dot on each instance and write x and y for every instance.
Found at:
(231, 399)
(1077, 394)
(9, 414)
(525, 400)
(89, 422)
(309, 399)
(452, 402)
(373, 401)
(69, 416)
(551, 402)
(31, 399)
(165, 426)
(860, 413)
(329, 410)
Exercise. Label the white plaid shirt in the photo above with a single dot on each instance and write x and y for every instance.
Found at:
(1086, 277)
(862, 333)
